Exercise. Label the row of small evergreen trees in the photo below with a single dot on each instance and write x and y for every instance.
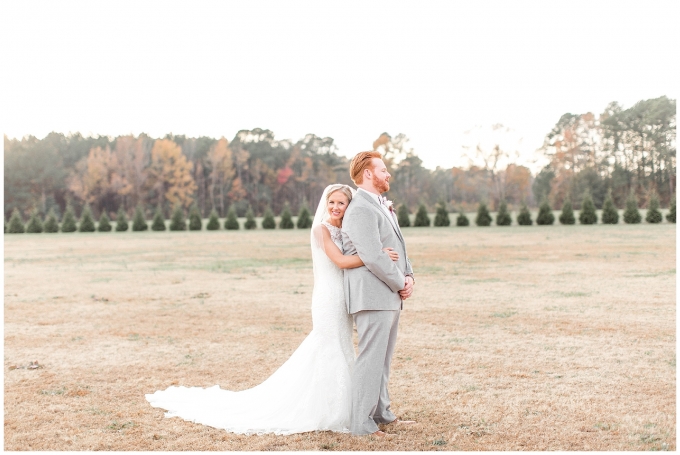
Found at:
(588, 215)
(139, 223)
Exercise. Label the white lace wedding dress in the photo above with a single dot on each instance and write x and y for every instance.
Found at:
(310, 391)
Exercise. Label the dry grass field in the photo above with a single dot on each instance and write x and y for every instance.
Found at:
(517, 338)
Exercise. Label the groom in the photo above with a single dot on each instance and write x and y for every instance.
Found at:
(374, 292)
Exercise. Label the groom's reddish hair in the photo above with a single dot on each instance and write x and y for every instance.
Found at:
(360, 162)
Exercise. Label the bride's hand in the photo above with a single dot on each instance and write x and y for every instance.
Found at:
(393, 254)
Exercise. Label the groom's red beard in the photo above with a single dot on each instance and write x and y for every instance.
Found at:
(383, 186)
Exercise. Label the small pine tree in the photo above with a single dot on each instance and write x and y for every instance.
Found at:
(609, 213)
(139, 222)
(441, 218)
(653, 214)
(231, 223)
(545, 215)
(16, 224)
(158, 223)
(177, 222)
(104, 223)
(86, 220)
(68, 223)
(403, 216)
(304, 220)
(567, 215)
(671, 213)
(422, 220)
(213, 221)
(34, 225)
(632, 215)
(462, 220)
(121, 221)
(503, 217)
(483, 216)
(250, 219)
(286, 219)
(524, 216)
(51, 225)
(195, 221)
(588, 214)
(268, 221)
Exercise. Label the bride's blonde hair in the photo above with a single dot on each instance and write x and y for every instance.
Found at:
(347, 191)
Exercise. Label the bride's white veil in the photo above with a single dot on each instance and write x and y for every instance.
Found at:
(321, 215)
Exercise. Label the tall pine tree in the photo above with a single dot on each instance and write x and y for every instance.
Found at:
(250, 219)
(213, 221)
(441, 218)
(268, 221)
(524, 216)
(632, 215)
(653, 214)
(483, 215)
(567, 215)
(422, 220)
(545, 215)
(286, 219)
(587, 214)
(158, 223)
(503, 217)
(609, 213)
(68, 223)
(139, 221)
(304, 220)
(121, 220)
(104, 224)
(671, 213)
(195, 221)
(177, 222)
(231, 223)
(462, 220)
(16, 224)
(51, 224)
(86, 220)
(403, 216)
(34, 225)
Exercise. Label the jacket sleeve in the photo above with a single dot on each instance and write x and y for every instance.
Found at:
(409, 269)
(362, 230)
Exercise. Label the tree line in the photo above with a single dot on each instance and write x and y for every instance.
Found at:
(588, 215)
(619, 152)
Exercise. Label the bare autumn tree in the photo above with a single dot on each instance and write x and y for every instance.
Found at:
(491, 149)
(221, 175)
(133, 156)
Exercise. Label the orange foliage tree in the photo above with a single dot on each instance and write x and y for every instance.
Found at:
(170, 174)
(98, 178)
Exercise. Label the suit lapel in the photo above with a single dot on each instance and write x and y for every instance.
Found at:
(393, 221)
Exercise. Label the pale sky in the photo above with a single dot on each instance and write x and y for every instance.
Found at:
(348, 69)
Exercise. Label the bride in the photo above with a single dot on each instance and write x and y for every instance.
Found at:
(311, 390)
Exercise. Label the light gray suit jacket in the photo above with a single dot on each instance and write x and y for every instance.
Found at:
(366, 230)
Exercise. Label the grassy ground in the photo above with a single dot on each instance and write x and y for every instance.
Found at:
(517, 338)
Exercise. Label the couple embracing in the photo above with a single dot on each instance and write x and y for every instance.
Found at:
(361, 276)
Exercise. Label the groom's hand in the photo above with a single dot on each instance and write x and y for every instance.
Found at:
(408, 288)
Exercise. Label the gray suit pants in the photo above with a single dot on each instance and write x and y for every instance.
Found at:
(377, 331)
